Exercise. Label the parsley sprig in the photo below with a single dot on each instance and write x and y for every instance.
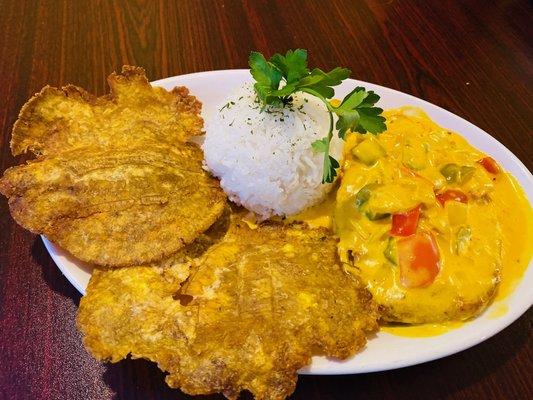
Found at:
(355, 113)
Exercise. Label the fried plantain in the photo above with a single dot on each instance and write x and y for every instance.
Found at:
(116, 207)
(57, 120)
(255, 309)
(115, 182)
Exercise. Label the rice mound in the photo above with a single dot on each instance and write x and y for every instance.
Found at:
(264, 159)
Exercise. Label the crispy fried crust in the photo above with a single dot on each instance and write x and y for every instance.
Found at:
(115, 182)
(116, 207)
(57, 120)
(257, 306)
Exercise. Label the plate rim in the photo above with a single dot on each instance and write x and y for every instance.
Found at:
(336, 367)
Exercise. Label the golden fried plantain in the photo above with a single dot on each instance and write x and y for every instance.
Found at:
(255, 309)
(145, 286)
(57, 120)
(116, 207)
(115, 182)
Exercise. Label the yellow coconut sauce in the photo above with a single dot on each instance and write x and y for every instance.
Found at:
(484, 243)
(320, 215)
(515, 216)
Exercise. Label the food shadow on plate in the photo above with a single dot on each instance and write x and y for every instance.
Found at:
(141, 379)
(51, 274)
(436, 379)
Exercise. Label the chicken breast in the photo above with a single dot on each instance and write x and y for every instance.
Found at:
(417, 222)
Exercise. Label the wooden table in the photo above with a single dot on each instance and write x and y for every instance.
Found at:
(473, 58)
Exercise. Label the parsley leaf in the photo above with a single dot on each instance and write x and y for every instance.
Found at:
(320, 146)
(267, 77)
(371, 120)
(293, 65)
(355, 113)
(320, 82)
(330, 169)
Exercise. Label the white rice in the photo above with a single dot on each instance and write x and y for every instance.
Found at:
(264, 160)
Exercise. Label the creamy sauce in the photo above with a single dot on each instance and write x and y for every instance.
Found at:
(514, 213)
(515, 216)
(499, 309)
(421, 330)
(503, 225)
(320, 215)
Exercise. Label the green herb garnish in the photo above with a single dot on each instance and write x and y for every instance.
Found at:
(355, 113)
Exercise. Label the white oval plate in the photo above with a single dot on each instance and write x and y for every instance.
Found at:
(385, 351)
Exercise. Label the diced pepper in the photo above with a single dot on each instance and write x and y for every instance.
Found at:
(450, 172)
(391, 252)
(466, 173)
(457, 174)
(405, 224)
(490, 165)
(451, 194)
(369, 151)
(464, 234)
(419, 260)
(362, 197)
(374, 216)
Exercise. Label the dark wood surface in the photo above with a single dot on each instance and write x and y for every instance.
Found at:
(473, 58)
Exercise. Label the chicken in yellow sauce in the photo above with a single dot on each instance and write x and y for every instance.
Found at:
(428, 222)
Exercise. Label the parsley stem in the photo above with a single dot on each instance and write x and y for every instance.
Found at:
(328, 175)
(326, 153)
